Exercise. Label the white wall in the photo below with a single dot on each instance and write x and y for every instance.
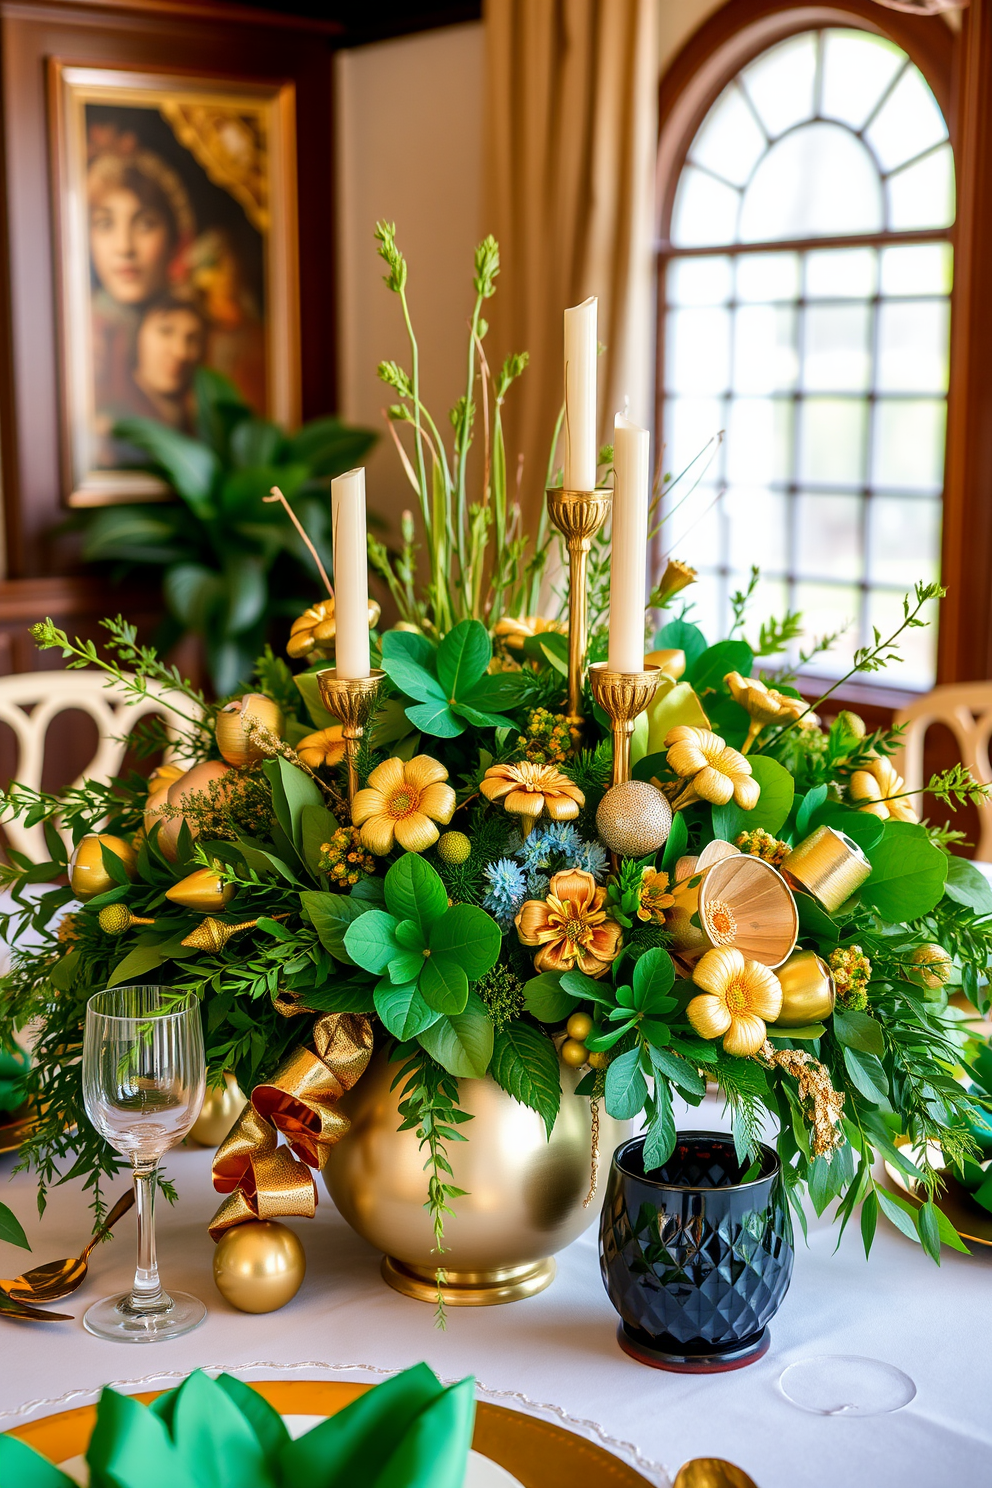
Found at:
(409, 149)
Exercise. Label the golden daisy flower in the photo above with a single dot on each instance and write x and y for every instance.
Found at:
(762, 704)
(401, 803)
(570, 926)
(325, 747)
(677, 576)
(312, 633)
(711, 769)
(514, 630)
(655, 898)
(530, 790)
(738, 998)
(875, 788)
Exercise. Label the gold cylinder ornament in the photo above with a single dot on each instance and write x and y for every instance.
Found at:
(260, 1266)
(623, 697)
(828, 865)
(222, 1105)
(578, 515)
(808, 991)
(352, 700)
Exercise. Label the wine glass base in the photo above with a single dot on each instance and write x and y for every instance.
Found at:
(112, 1318)
(846, 1385)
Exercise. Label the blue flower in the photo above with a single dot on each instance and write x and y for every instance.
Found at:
(592, 858)
(537, 850)
(537, 885)
(507, 886)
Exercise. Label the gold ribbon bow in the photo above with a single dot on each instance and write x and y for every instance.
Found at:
(264, 1179)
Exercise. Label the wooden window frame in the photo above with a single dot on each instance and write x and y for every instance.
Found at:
(957, 66)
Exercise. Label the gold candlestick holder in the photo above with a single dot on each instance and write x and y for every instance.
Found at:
(623, 696)
(352, 700)
(578, 515)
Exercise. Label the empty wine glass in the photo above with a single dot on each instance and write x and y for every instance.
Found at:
(143, 1085)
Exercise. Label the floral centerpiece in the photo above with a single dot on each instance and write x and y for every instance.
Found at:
(756, 908)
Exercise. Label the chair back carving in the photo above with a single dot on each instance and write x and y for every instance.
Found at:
(966, 709)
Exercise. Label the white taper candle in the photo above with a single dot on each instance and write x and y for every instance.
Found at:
(628, 570)
(580, 396)
(351, 575)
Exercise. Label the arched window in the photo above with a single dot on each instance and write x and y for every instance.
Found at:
(806, 290)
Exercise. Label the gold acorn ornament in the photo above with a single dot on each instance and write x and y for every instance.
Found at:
(114, 919)
(808, 990)
(203, 890)
(633, 819)
(259, 1266)
(87, 875)
(194, 782)
(242, 726)
(222, 1105)
(213, 935)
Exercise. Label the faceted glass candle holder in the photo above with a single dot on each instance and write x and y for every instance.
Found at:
(695, 1260)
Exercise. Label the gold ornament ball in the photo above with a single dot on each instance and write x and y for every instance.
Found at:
(235, 721)
(260, 1266)
(220, 1110)
(579, 1026)
(634, 819)
(598, 1059)
(573, 1053)
(453, 848)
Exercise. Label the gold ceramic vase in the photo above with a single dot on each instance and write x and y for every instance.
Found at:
(524, 1195)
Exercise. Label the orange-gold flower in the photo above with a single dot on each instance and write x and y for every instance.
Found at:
(570, 926)
(531, 790)
(325, 747)
(401, 803)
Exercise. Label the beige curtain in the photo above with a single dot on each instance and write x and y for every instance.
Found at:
(570, 151)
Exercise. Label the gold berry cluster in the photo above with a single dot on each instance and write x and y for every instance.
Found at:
(851, 972)
(344, 859)
(548, 738)
(761, 844)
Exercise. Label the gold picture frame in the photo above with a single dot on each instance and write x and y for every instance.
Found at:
(176, 224)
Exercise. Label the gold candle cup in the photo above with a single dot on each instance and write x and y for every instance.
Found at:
(828, 865)
(808, 991)
(623, 696)
(352, 700)
(578, 515)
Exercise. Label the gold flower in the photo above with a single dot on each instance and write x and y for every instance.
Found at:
(762, 704)
(655, 898)
(677, 576)
(738, 998)
(325, 747)
(874, 788)
(514, 630)
(570, 926)
(712, 770)
(401, 803)
(312, 633)
(529, 789)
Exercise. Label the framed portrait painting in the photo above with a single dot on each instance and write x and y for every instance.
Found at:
(176, 218)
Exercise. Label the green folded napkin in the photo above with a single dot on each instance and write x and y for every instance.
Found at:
(410, 1432)
(13, 1063)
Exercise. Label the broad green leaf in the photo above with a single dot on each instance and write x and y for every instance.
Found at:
(545, 999)
(480, 719)
(681, 635)
(867, 1075)
(136, 963)
(709, 669)
(255, 442)
(330, 447)
(580, 985)
(414, 891)
(369, 940)
(262, 861)
(774, 803)
(525, 1065)
(967, 885)
(468, 934)
(297, 790)
(811, 801)
(331, 915)
(681, 1073)
(858, 1030)
(678, 841)
(899, 1212)
(403, 1010)
(413, 680)
(815, 921)
(189, 466)
(409, 645)
(863, 828)
(406, 967)
(435, 718)
(410, 935)
(317, 827)
(196, 595)
(10, 1228)
(462, 658)
(309, 690)
(659, 1143)
(907, 873)
(626, 1087)
(654, 975)
(463, 1045)
(948, 1234)
(443, 983)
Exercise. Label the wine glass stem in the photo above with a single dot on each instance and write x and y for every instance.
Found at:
(147, 1294)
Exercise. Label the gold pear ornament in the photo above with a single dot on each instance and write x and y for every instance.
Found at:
(241, 726)
(222, 1105)
(202, 890)
(194, 782)
(87, 875)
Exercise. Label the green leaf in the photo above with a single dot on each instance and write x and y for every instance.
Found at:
(869, 1219)
(673, 705)
(654, 976)
(681, 1073)
(10, 1228)
(468, 935)
(262, 861)
(413, 680)
(587, 987)
(443, 984)
(255, 442)
(403, 1010)
(678, 841)
(292, 790)
(331, 915)
(136, 963)
(196, 595)
(863, 828)
(709, 669)
(246, 584)
(317, 826)
(414, 891)
(410, 936)
(929, 1229)
(858, 1030)
(329, 446)
(899, 1212)
(480, 719)
(815, 921)
(406, 967)
(191, 467)
(436, 719)
(907, 873)
(681, 635)
(626, 1087)
(545, 999)
(774, 803)
(525, 1065)
(966, 885)
(409, 645)
(811, 801)
(463, 1045)
(309, 690)
(867, 1076)
(659, 1143)
(369, 940)
(462, 658)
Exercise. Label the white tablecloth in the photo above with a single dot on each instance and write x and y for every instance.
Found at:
(556, 1349)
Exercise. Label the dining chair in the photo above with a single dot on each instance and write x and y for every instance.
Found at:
(966, 709)
(31, 701)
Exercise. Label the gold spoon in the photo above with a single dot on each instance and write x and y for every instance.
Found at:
(712, 1472)
(57, 1279)
(32, 1314)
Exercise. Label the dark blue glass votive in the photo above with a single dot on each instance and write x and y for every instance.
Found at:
(694, 1260)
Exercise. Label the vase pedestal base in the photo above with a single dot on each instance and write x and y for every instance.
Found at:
(470, 1288)
(718, 1361)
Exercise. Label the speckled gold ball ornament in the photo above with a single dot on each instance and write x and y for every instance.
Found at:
(453, 847)
(634, 819)
(222, 1105)
(260, 1266)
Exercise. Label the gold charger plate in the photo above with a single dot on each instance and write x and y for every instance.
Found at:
(538, 1453)
(16, 1128)
(971, 1222)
